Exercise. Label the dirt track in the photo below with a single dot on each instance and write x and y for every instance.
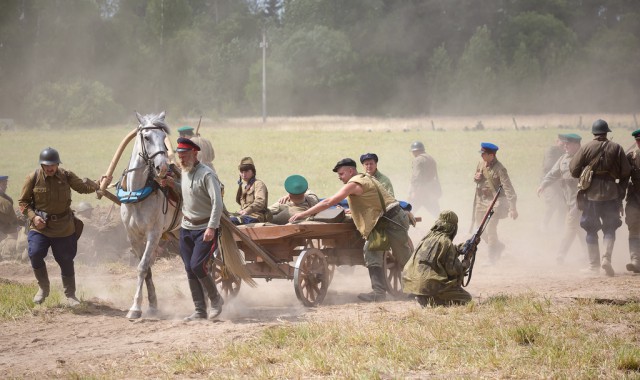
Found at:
(56, 342)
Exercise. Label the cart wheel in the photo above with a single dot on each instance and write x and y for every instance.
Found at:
(229, 284)
(393, 273)
(331, 270)
(311, 277)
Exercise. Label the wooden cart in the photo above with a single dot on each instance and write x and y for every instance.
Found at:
(306, 253)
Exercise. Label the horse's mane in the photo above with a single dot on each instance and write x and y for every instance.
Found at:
(157, 120)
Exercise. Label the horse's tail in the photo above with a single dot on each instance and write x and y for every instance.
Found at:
(233, 257)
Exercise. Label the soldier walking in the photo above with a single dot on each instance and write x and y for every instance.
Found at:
(490, 174)
(561, 175)
(425, 187)
(632, 209)
(602, 208)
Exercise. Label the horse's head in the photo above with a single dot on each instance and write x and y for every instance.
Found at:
(151, 135)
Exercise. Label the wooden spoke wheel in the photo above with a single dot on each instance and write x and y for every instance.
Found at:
(228, 284)
(311, 277)
(393, 273)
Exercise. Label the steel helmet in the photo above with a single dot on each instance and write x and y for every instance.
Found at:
(49, 156)
(600, 127)
(84, 206)
(417, 145)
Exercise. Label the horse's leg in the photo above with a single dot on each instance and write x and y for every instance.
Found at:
(135, 311)
(151, 291)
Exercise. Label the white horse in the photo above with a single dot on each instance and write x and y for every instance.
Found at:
(146, 210)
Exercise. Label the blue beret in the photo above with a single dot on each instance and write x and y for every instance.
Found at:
(296, 184)
(636, 134)
(344, 162)
(4, 177)
(487, 147)
(185, 144)
(369, 156)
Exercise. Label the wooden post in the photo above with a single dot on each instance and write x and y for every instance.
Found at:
(433, 126)
(514, 123)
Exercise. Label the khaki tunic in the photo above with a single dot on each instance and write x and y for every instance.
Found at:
(366, 208)
(494, 175)
(613, 165)
(53, 196)
(424, 178)
(561, 173)
(632, 210)
(254, 200)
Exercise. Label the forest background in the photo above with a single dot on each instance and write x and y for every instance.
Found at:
(85, 63)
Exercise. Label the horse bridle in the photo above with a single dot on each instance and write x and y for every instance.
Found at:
(144, 154)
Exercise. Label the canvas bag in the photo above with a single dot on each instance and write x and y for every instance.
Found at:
(584, 182)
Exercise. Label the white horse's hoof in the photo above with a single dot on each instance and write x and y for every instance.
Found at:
(134, 314)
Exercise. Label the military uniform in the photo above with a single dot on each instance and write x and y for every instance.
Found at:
(632, 209)
(560, 174)
(8, 218)
(425, 185)
(492, 175)
(553, 192)
(434, 274)
(282, 212)
(206, 154)
(384, 181)
(252, 196)
(604, 197)
(52, 195)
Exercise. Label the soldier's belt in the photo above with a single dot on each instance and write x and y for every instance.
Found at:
(55, 217)
(197, 222)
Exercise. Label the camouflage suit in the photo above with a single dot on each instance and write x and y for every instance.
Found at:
(561, 175)
(632, 210)
(604, 197)
(493, 175)
(434, 273)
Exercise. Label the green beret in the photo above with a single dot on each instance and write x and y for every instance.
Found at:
(571, 137)
(185, 131)
(296, 184)
(636, 134)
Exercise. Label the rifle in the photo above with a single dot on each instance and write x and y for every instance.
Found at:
(198, 127)
(471, 246)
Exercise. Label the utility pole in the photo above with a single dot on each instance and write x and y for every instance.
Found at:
(263, 45)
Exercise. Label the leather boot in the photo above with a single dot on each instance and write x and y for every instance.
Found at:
(606, 258)
(593, 251)
(197, 294)
(378, 284)
(43, 282)
(69, 285)
(215, 299)
(634, 253)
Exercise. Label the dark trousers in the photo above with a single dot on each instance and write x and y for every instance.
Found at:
(64, 250)
(601, 215)
(196, 253)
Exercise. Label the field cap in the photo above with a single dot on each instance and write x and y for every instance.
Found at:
(487, 147)
(572, 137)
(636, 134)
(185, 131)
(184, 145)
(344, 162)
(4, 177)
(369, 156)
(246, 164)
(296, 184)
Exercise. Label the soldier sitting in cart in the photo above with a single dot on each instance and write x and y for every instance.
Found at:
(371, 206)
(298, 198)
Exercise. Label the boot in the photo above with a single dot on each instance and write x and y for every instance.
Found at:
(634, 253)
(606, 258)
(378, 284)
(215, 299)
(593, 251)
(69, 285)
(43, 282)
(197, 294)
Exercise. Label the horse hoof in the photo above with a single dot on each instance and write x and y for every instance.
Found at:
(134, 314)
(153, 312)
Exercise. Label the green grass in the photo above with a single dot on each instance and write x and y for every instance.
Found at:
(16, 301)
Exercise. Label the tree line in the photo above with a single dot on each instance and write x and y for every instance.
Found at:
(91, 62)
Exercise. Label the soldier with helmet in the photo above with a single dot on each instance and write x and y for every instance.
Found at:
(490, 174)
(425, 187)
(632, 217)
(45, 200)
(603, 198)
